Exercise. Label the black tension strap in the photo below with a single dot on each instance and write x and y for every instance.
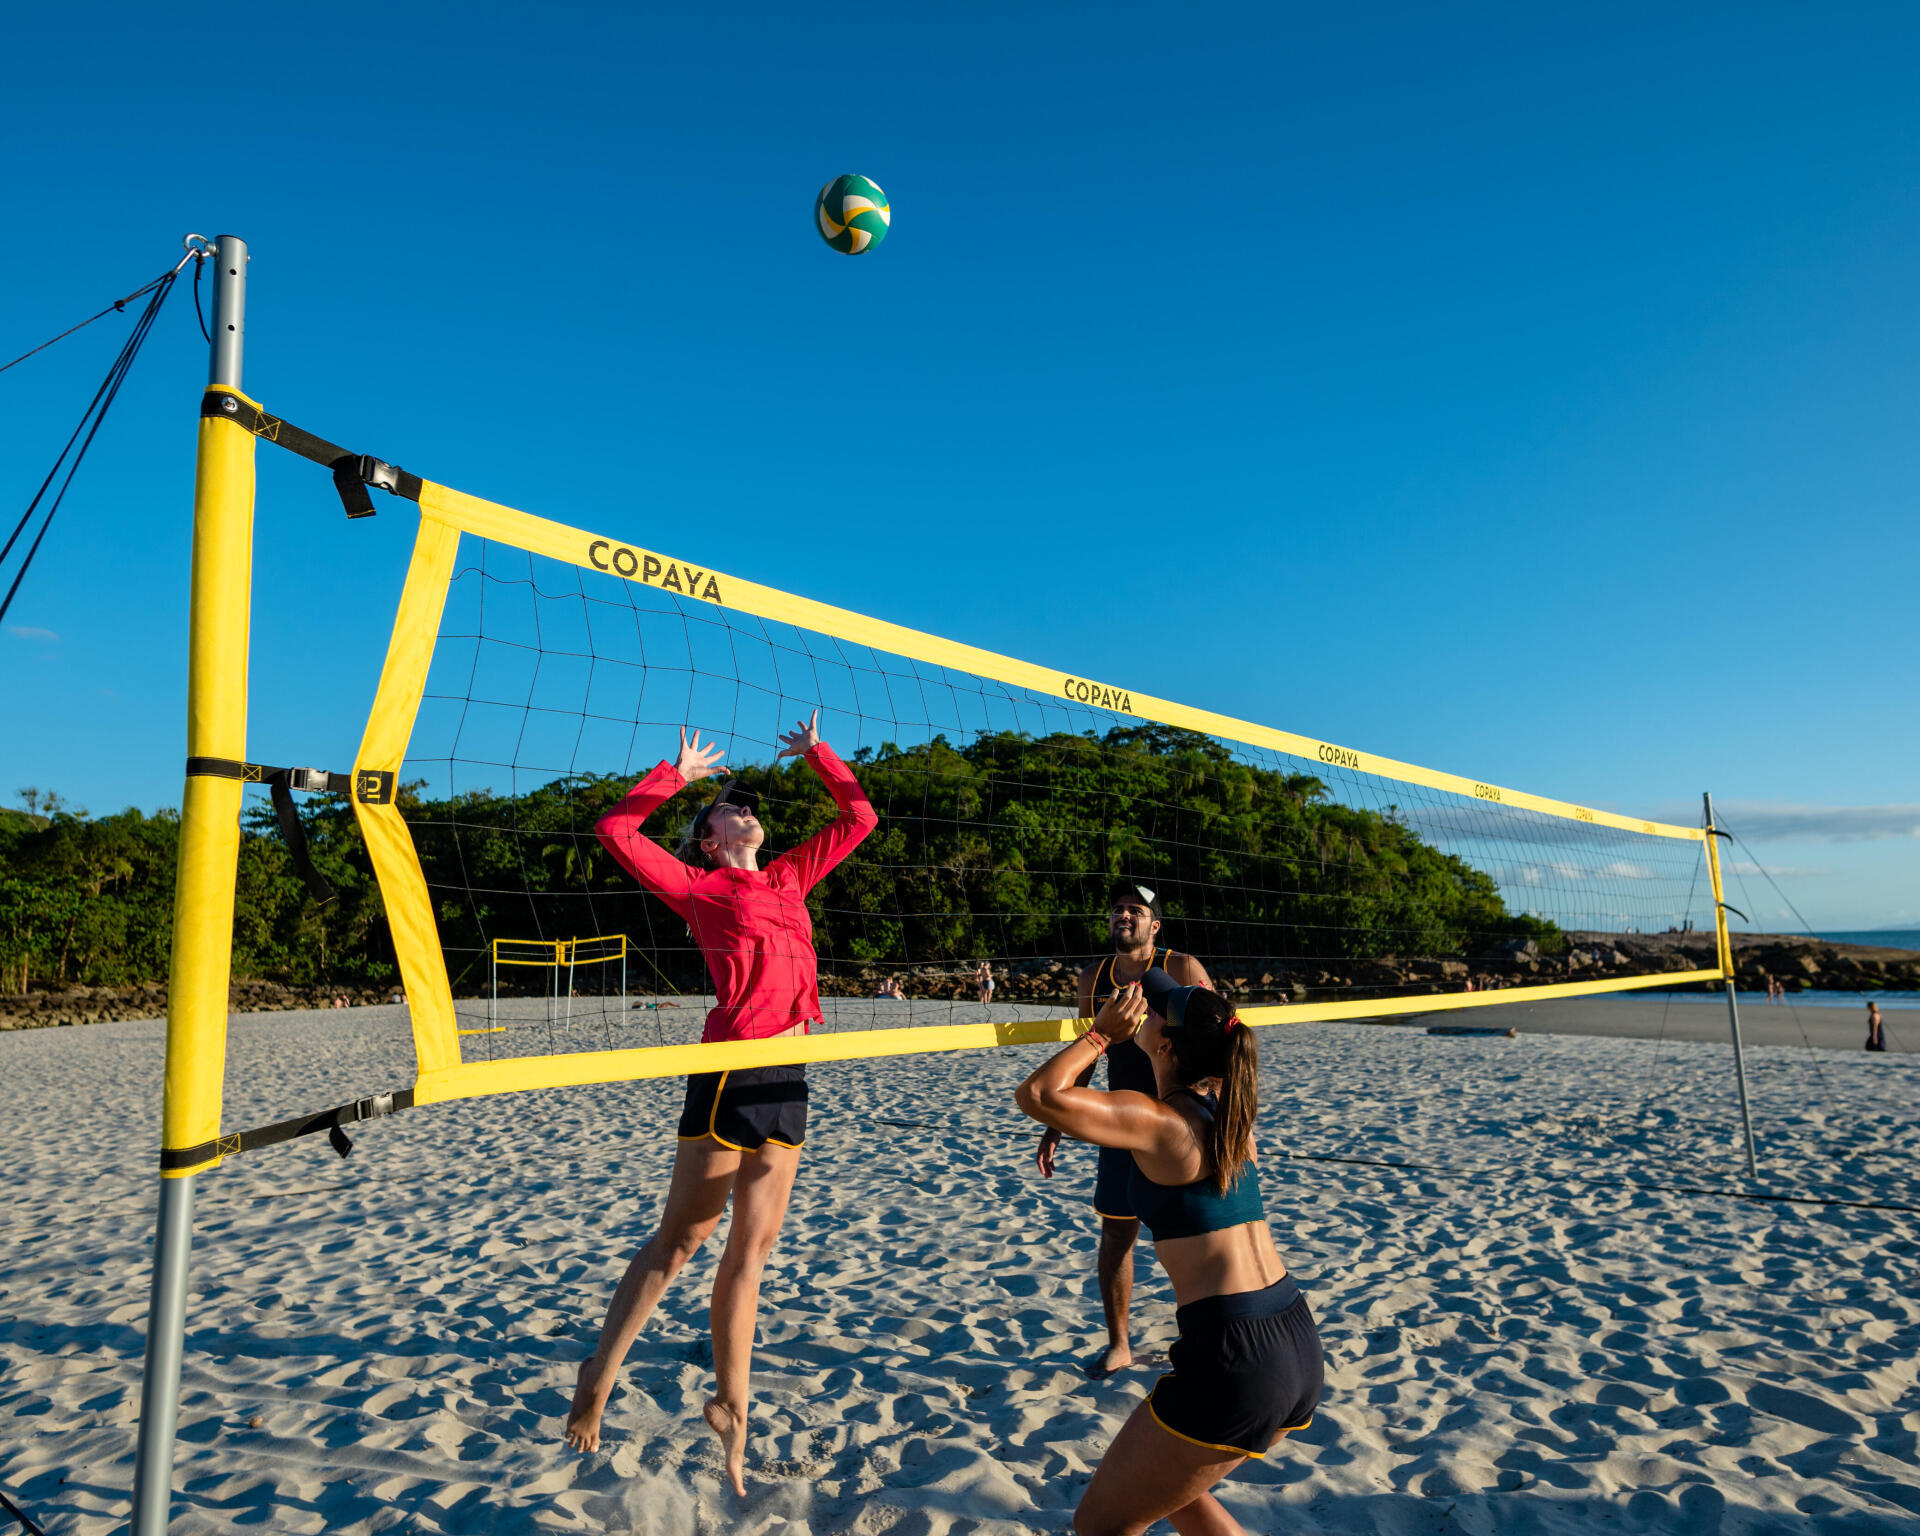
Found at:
(282, 782)
(173, 1159)
(352, 472)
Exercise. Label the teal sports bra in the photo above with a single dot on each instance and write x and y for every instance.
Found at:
(1187, 1210)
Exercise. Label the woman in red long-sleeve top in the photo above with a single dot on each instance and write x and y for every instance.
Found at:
(741, 1130)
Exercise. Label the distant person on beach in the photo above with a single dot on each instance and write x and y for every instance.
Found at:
(983, 979)
(1247, 1366)
(1876, 1041)
(741, 1131)
(1133, 926)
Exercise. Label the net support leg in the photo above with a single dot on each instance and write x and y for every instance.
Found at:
(1740, 1075)
(1723, 944)
(166, 1342)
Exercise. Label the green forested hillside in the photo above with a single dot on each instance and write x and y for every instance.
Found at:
(1000, 848)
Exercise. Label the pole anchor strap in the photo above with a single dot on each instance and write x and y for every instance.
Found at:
(282, 782)
(352, 472)
(175, 1159)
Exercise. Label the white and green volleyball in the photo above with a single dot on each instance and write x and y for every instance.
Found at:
(851, 215)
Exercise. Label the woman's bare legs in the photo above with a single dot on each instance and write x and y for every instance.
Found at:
(703, 1176)
(1148, 1474)
(760, 1197)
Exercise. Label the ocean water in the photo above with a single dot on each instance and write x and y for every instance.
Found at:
(1851, 1000)
(1886, 938)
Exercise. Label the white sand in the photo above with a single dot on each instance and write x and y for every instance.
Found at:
(1520, 1344)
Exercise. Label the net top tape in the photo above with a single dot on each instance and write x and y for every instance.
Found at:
(631, 562)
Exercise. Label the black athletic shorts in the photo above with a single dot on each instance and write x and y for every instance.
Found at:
(1110, 1197)
(746, 1108)
(1245, 1367)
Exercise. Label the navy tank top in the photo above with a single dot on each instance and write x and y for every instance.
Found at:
(1187, 1210)
(1127, 1064)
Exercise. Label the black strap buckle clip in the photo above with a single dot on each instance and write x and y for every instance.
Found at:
(381, 475)
(317, 781)
(353, 474)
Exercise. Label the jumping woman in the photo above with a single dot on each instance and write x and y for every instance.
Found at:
(1247, 1366)
(741, 1130)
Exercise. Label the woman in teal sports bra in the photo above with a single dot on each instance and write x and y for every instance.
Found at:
(1247, 1366)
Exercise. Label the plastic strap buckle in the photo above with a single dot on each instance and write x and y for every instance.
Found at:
(381, 475)
(318, 781)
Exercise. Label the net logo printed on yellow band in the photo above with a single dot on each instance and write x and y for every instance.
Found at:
(1100, 697)
(373, 786)
(634, 565)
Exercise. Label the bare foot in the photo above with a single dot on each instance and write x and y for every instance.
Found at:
(590, 1396)
(731, 1426)
(1115, 1357)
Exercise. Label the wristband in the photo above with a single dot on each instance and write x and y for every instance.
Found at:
(1099, 1040)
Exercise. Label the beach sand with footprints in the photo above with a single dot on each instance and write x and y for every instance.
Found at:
(1539, 1314)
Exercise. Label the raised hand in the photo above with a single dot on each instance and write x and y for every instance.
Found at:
(801, 740)
(1123, 1014)
(696, 762)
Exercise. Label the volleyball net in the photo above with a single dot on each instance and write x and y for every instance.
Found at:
(537, 670)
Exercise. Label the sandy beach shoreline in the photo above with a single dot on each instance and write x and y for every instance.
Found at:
(1532, 1330)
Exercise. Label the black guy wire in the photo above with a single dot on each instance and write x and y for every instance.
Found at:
(1697, 1191)
(21, 1515)
(1506, 1170)
(199, 313)
(1805, 926)
(118, 306)
(90, 421)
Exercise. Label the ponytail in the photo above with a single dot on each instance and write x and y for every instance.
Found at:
(1230, 1138)
(1210, 1041)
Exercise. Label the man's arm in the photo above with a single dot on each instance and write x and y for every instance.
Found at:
(1050, 1138)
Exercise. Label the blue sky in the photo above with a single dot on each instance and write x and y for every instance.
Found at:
(1527, 395)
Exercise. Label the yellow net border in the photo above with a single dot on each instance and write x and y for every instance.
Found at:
(446, 514)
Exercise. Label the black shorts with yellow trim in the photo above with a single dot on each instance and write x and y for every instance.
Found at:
(1111, 1202)
(1245, 1367)
(747, 1107)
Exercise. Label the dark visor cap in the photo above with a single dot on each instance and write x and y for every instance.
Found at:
(730, 794)
(1166, 997)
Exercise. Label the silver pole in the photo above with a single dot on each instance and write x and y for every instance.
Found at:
(229, 311)
(1733, 1019)
(173, 1242)
(166, 1344)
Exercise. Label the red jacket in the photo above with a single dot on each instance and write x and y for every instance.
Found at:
(752, 925)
